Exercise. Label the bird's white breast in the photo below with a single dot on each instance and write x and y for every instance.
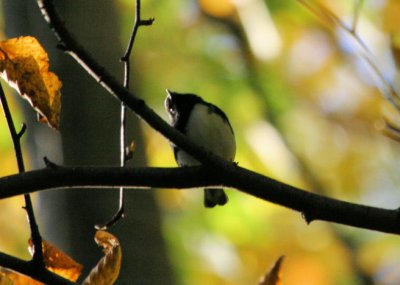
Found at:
(211, 131)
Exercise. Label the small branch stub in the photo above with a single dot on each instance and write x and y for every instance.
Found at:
(49, 164)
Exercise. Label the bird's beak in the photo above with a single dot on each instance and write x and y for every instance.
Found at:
(169, 95)
(167, 100)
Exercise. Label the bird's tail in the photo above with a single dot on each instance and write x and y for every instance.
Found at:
(213, 197)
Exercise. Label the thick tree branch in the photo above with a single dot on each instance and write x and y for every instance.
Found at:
(217, 172)
(31, 269)
(312, 206)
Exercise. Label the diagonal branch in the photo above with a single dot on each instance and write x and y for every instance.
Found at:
(218, 172)
(108, 82)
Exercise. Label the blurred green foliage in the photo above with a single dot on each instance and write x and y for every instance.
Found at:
(307, 115)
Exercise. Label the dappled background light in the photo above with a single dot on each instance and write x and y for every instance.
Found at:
(305, 106)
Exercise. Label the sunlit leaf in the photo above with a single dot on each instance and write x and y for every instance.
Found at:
(107, 269)
(273, 277)
(10, 277)
(24, 65)
(5, 280)
(59, 262)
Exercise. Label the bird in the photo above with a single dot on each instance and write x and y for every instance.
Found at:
(206, 125)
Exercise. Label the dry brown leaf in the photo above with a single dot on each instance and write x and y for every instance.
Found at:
(59, 262)
(107, 269)
(24, 64)
(273, 277)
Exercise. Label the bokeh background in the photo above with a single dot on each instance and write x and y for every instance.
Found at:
(307, 109)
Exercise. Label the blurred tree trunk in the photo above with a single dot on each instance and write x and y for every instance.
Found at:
(89, 135)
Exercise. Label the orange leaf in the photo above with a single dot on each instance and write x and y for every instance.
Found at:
(273, 277)
(59, 262)
(24, 64)
(5, 280)
(10, 277)
(107, 269)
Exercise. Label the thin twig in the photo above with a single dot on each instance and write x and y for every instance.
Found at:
(69, 45)
(16, 139)
(356, 13)
(138, 23)
(125, 59)
(389, 93)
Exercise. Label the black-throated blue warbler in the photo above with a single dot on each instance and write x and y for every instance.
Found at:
(208, 126)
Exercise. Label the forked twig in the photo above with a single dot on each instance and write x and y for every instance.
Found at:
(390, 93)
(16, 139)
(125, 59)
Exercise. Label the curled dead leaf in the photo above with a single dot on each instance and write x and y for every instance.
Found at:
(107, 269)
(24, 65)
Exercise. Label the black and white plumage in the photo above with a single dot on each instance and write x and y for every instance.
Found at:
(208, 126)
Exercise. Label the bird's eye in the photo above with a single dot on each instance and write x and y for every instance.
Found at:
(169, 106)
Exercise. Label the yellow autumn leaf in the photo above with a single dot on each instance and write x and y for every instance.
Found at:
(58, 262)
(273, 277)
(24, 65)
(107, 269)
